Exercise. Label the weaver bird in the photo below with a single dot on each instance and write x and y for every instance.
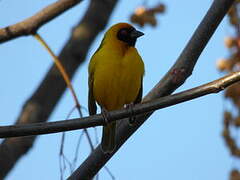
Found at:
(115, 76)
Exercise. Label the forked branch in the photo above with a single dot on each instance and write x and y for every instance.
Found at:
(30, 25)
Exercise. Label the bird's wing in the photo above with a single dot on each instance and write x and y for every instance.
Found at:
(139, 96)
(92, 107)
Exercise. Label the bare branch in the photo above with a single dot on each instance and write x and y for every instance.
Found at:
(30, 25)
(176, 76)
(98, 120)
(39, 107)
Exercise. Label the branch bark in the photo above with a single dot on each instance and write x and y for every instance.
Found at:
(175, 77)
(98, 120)
(39, 107)
(32, 24)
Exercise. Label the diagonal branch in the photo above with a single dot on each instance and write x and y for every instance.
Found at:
(32, 24)
(97, 120)
(41, 104)
(175, 77)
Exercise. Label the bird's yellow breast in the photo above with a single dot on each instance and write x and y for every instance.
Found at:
(116, 76)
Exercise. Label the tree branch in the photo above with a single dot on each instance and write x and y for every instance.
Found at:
(175, 77)
(30, 25)
(98, 120)
(39, 107)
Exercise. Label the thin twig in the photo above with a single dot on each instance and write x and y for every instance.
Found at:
(109, 172)
(62, 163)
(61, 70)
(30, 25)
(97, 120)
(77, 104)
(77, 151)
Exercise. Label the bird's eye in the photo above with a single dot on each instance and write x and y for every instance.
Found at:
(124, 35)
(123, 32)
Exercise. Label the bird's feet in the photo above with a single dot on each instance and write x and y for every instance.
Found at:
(105, 115)
(132, 118)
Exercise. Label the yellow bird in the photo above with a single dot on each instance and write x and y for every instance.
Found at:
(115, 76)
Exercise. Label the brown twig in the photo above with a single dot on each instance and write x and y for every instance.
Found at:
(30, 25)
(73, 93)
(97, 120)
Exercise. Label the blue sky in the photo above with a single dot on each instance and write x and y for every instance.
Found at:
(179, 142)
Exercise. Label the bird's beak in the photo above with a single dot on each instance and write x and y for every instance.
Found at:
(136, 34)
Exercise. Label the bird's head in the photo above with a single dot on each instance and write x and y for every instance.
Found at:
(123, 33)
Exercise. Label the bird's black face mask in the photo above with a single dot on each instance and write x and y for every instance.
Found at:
(129, 35)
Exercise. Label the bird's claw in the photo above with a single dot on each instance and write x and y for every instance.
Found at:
(106, 116)
(132, 118)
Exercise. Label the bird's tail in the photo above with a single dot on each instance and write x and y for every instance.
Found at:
(108, 137)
